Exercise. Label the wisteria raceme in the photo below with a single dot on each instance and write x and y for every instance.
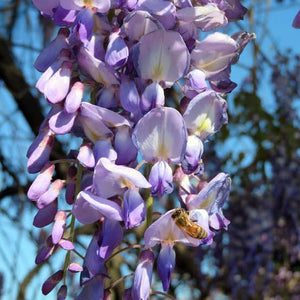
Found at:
(105, 77)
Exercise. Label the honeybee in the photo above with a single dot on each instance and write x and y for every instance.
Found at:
(183, 221)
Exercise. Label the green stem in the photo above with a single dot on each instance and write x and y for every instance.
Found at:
(162, 294)
(72, 224)
(120, 280)
(149, 211)
(124, 249)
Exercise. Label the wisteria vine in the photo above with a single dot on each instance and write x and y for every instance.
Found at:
(106, 76)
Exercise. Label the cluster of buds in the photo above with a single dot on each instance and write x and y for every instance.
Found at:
(105, 77)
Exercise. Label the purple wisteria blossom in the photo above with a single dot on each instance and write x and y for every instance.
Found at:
(109, 78)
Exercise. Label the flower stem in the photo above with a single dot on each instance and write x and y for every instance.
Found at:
(124, 249)
(120, 280)
(72, 224)
(149, 211)
(64, 161)
(163, 294)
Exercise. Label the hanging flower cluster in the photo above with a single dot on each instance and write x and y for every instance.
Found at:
(105, 77)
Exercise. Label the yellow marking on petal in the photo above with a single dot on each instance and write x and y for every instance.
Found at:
(88, 3)
(94, 136)
(157, 72)
(162, 150)
(126, 183)
(207, 202)
(205, 126)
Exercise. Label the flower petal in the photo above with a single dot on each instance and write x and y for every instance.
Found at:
(111, 179)
(205, 114)
(165, 60)
(143, 276)
(166, 265)
(89, 208)
(134, 209)
(161, 134)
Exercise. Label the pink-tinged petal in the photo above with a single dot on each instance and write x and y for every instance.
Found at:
(111, 237)
(117, 51)
(214, 54)
(111, 179)
(49, 54)
(52, 193)
(296, 21)
(126, 151)
(58, 226)
(41, 183)
(134, 209)
(73, 100)
(153, 96)
(66, 245)
(62, 122)
(103, 148)
(62, 293)
(46, 6)
(75, 268)
(129, 95)
(95, 68)
(165, 230)
(166, 60)
(143, 276)
(45, 216)
(206, 114)
(40, 152)
(208, 17)
(138, 23)
(164, 11)
(161, 134)
(56, 89)
(86, 156)
(89, 208)
(161, 179)
(52, 281)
